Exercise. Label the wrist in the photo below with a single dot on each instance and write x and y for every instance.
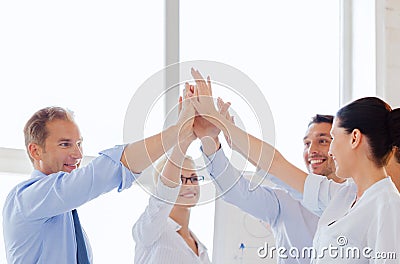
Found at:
(184, 145)
(210, 145)
(217, 120)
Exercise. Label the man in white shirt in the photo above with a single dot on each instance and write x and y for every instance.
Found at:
(292, 224)
(364, 133)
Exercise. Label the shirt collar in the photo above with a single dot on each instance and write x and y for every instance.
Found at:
(176, 227)
(381, 184)
(37, 173)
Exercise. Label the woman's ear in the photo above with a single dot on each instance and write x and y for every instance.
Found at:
(356, 137)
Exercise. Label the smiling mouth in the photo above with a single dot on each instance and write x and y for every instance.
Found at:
(316, 161)
(188, 195)
(71, 166)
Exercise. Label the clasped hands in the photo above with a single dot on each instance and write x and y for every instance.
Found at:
(198, 116)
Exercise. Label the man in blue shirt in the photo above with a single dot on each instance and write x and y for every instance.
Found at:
(38, 221)
(292, 224)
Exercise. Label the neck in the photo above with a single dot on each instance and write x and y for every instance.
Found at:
(396, 176)
(363, 182)
(181, 215)
(335, 178)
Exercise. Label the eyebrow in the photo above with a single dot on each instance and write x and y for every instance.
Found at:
(68, 139)
(193, 174)
(320, 135)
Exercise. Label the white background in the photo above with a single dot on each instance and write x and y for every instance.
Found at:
(91, 56)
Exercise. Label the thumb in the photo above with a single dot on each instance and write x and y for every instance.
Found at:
(209, 84)
(195, 103)
(180, 104)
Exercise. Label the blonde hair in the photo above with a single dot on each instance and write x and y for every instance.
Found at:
(161, 163)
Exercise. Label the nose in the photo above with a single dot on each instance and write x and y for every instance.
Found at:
(313, 148)
(330, 152)
(76, 152)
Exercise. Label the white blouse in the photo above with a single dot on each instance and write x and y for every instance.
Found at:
(368, 232)
(156, 237)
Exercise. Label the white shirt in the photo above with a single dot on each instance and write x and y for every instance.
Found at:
(370, 227)
(156, 237)
(292, 224)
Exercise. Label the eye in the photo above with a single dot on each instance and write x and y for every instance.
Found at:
(195, 179)
(64, 144)
(307, 144)
(325, 141)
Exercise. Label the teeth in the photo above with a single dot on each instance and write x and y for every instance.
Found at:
(191, 195)
(316, 161)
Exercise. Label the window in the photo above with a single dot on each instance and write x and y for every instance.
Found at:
(290, 49)
(89, 56)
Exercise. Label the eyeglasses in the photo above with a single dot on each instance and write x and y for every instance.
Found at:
(193, 179)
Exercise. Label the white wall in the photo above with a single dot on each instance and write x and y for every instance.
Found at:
(371, 50)
(388, 13)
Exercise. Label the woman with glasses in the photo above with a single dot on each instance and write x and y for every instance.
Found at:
(162, 233)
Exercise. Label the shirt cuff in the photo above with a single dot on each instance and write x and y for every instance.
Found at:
(216, 163)
(221, 170)
(127, 176)
(311, 192)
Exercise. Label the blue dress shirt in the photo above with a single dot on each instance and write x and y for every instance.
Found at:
(37, 220)
(292, 224)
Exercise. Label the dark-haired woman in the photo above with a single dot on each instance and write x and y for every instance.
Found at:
(360, 219)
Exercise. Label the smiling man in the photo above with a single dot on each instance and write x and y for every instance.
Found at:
(292, 224)
(316, 147)
(40, 221)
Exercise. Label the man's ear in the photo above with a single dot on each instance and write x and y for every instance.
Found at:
(356, 137)
(35, 151)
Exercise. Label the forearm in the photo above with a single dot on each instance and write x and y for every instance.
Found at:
(210, 145)
(171, 172)
(139, 155)
(236, 189)
(260, 153)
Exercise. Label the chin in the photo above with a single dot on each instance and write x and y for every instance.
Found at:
(187, 203)
(342, 175)
(314, 171)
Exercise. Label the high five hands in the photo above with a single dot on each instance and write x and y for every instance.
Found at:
(209, 120)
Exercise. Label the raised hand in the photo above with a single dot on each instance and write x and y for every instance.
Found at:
(223, 110)
(203, 100)
(186, 115)
(203, 128)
